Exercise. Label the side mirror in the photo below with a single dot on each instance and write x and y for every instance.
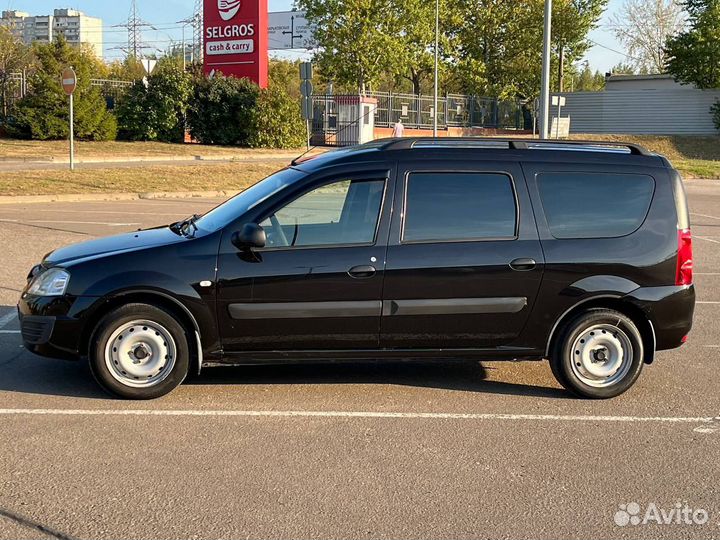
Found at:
(250, 236)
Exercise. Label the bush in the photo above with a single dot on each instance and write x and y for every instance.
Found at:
(277, 122)
(222, 110)
(154, 110)
(44, 113)
(715, 110)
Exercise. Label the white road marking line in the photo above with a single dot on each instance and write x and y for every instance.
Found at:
(360, 414)
(706, 239)
(704, 215)
(706, 273)
(712, 346)
(175, 214)
(706, 302)
(9, 331)
(56, 221)
(7, 319)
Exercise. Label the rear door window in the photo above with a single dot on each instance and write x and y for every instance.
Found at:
(456, 206)
(595, 205)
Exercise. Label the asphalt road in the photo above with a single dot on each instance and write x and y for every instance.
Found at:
(446, 450)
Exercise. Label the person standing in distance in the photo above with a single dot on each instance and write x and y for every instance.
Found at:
(398, 129)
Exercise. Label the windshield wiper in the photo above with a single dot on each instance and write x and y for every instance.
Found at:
(183, 226)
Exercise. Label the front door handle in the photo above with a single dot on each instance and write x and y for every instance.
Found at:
(523, 264)
(362, 271)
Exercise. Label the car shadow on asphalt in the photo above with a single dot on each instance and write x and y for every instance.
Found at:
(29, 374)
(468, 376)
(25, 373)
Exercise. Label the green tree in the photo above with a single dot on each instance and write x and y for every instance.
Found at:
(585, 80)
(694, 55)
(623, 69)
(277, 122)
(715, 111)
(416, 37)
(285, 75)
(14, 57)
(358, 39)
(130, 69)
(572, 21)
(222, 110)
(499, 47)
(44, 113)
(154, 109)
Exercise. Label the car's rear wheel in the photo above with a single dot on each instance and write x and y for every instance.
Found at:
(139, 351)
(598, 354)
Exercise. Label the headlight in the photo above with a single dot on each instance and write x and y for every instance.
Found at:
(52, 282)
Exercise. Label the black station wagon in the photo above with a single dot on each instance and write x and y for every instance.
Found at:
(401, 249)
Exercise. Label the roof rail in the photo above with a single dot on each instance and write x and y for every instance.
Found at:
(513, 144)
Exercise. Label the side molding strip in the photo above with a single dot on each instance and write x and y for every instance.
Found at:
(373, 308)
(454, 306)
(305, 310)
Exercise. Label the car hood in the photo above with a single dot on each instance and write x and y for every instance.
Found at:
(112, 244)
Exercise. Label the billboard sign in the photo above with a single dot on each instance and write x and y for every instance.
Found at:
(236, 39)
(289, 30)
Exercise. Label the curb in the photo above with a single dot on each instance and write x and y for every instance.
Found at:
(144, 159)
(90, 197)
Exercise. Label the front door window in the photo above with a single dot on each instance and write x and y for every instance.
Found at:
(344, 212)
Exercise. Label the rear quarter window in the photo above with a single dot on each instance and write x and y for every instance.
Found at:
(595, 205)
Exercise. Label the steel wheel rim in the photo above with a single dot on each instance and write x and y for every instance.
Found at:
(140, 354)
(601, 355)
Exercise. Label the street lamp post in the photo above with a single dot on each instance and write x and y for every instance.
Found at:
(545, 82)
(435, 86)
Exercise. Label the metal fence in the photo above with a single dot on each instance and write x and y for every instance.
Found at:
(19, 85)
(416, 112)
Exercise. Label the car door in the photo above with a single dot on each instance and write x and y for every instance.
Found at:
(317, 284)
(464, 262)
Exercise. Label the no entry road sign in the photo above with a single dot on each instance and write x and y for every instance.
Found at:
(69, 81)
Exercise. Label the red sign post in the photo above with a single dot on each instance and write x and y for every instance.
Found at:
(236, 38)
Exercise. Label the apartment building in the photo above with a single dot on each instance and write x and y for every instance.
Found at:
(74, 25)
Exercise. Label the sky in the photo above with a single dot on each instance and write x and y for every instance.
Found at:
(164, 14)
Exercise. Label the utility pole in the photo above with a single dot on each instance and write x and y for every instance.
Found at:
(189, 21)
(134, 27)
(198, 30)
(545, 82)
(435, 86)
(561, 68)
(134, 32)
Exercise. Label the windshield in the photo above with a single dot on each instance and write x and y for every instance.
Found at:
(231, 209)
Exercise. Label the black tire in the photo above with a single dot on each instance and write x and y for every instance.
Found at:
(101, 360)
(568, 369)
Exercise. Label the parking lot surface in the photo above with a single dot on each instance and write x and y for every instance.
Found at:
(431, 450)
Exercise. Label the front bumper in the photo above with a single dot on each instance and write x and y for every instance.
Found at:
(54, 326)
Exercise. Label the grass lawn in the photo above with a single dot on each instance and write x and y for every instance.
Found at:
(693, 156)
(226, 176)
(43, 150)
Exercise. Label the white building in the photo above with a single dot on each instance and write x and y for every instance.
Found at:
(74, 25)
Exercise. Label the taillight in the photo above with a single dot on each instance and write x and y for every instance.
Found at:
(684, 274)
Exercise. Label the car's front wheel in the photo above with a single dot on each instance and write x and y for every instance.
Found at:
(139, 351)
(598, 354)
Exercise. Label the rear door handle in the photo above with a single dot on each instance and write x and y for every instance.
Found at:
(362, 271)
(523, 264)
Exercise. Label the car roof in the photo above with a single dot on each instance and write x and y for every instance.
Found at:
(478, 148)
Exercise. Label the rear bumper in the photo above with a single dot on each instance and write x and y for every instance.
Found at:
(669, 309)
